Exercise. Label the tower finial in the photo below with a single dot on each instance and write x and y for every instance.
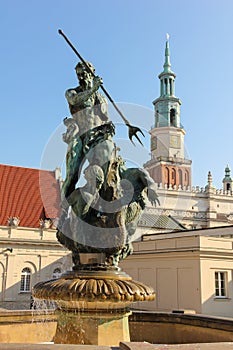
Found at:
(209, 185)
(210, 180)
(227, 181)
(227, 172)
(167, 64)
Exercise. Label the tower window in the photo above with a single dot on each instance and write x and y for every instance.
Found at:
(186, 178)
(167, 177)
(173, 117)
(165, 86)
(180, 177)
(228, 187)
(157, 118)
(173, 176)
(170, 83)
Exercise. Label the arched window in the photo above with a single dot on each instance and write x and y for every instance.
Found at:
(173, 117)
(157, 119)
(25, 283)
(186, 178)
(180, 177)
(228, 187)
(56, 273)
(165, 86)
(173, 177)
(167, 177)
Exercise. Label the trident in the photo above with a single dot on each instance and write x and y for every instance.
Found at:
(132, 131)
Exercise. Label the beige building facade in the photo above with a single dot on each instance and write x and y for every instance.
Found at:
(28, 256)
(188, 270)
(29, 250)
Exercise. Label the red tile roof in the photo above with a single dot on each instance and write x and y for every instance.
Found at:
(30, 194)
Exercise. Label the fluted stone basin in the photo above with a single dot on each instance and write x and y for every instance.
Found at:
(93, 290)
(93, 306)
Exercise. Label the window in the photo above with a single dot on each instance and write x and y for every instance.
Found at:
(180, 177)
(173, 176)
(173, 117)
(170, 83)
(220, 284)
(167, 177)
(165, 86)
(56, 273)
(25, 283)
(186, 178)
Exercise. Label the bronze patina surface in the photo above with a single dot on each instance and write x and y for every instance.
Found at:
(97, 223)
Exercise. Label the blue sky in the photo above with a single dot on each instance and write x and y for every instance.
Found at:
(125, 40)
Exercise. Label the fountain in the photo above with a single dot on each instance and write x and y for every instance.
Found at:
(97, 223)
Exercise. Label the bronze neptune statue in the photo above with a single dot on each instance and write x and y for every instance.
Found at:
(101, 216)
(97, 223)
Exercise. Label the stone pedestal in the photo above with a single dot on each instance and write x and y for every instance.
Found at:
(92, 328)
(93, 305)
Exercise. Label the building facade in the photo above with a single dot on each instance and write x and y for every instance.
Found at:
(29, 250)
(27, 256)
(194, 207)
(168, 164)
(182, 266)
(189, 271)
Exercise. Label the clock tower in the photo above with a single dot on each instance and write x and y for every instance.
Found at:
(168, 164)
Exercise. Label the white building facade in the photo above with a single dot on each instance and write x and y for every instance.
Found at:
(193, 207)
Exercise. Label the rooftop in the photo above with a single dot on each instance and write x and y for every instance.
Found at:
(29, 194)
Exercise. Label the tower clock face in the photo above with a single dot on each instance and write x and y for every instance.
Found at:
(175, 141)
(153, 143)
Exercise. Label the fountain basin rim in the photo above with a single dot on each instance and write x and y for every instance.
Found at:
(90, 308)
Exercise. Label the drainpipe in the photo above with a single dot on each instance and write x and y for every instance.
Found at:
(5, 272)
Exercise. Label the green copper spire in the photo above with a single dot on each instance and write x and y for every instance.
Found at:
(227, 181)
(167, 64)
(167, 77)
(227, 174)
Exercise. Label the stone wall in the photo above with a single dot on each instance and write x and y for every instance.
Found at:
(161, 328)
